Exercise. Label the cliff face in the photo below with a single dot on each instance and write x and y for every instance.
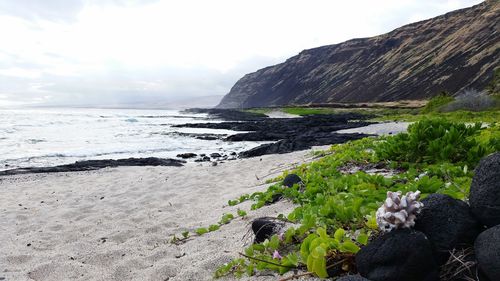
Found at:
(450, 52)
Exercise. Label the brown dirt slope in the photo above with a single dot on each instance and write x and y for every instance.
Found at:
(450, 52)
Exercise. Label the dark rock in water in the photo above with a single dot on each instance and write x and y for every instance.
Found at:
(400, 255)
(291, 179)
(352, 278)
(215, 155)
(487, 249)
(264, 229)
(187, 155)
(448, 223)
(290, 134)
(232, 153)
(201, 136)
(203, 159)
(484, 195)
(89, 165)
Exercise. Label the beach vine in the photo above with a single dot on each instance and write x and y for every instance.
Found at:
(335, 208)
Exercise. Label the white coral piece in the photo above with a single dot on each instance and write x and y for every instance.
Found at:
(399, 212)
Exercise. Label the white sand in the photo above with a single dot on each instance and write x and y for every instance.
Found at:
(386, 128)
(116, 224)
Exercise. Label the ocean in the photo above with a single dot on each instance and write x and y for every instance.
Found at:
(55, 136)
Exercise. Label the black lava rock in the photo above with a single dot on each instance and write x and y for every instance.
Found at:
(400, 255)
(485, 190)
(186, 155)
(291, 179)
(288, 134)
(352, 278)
(89, 165)
(448, 223)
(487, 249)
(215, 155)
(264, 229)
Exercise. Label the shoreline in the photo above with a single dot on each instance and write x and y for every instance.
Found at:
(116, 223)
(339, 136)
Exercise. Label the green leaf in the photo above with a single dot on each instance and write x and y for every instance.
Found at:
(241, 213)
(304, 247)
(339, 234)
(362, 239)
(213, 227)
(201, 231)
(349, 247)
(274, 242)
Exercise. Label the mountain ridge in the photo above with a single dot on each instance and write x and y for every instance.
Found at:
(457, 50)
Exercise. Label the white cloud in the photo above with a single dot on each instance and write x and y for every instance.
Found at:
(130, 49)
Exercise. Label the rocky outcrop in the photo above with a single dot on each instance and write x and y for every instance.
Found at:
(449, 52)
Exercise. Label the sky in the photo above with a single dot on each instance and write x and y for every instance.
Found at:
(147, 52)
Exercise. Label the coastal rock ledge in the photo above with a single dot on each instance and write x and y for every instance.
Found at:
(90, 165)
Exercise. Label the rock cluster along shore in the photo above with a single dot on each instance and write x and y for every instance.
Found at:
(95, 165)
(287, 134)
(444, 225)
(208, 158)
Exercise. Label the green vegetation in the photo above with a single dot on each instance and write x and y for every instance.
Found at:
(335, 214)
(488, 116)
(225, 219)
(241, 213)
(436, 140)
(437, 102)
(308, 110)
(201, 231)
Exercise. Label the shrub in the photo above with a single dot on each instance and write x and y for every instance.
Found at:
(433, 141)
(437, 102)
(471, 100)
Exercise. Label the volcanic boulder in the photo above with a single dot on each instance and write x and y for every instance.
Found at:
(401, 254)
(448, 223)
(484, 195)
(487, 248)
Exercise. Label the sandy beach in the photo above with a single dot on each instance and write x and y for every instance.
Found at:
(117, 223)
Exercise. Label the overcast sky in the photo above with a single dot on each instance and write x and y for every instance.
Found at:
(105, 52)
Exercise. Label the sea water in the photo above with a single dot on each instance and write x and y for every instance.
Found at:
(49, 137)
